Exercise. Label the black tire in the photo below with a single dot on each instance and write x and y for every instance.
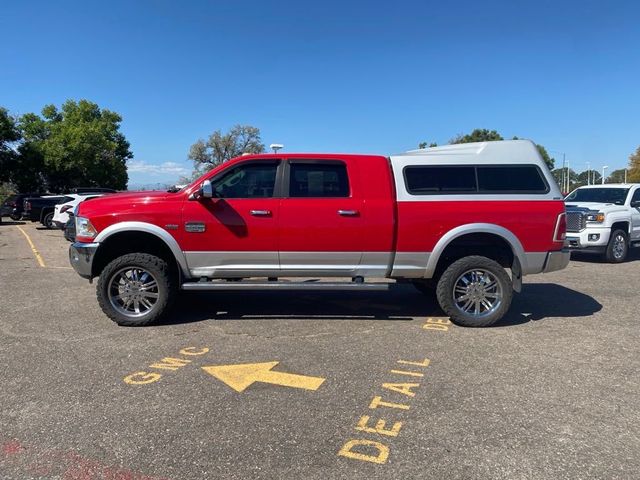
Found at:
(111, 281)
(618, 247)
(426, 286)
(47, 221)
(473, 289)
(15, 217)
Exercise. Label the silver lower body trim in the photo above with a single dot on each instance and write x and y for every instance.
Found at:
(290, 264)
(330, 264)
(232, 263)
(535, 262)
(557, 260)
(410, 264)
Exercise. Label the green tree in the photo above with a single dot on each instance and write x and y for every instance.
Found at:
(9, 134)
(634, 167)
(427, 144)
(586, 177)
(219, 147)
(550, 161)
(78, 145)
(29, 173)
(478, 135)
(573, 179)
(617, 176)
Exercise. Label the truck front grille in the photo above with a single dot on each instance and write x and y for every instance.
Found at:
(575, 221)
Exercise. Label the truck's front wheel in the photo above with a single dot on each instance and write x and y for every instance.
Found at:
(135, 289)
(475, 291)
(617, 247)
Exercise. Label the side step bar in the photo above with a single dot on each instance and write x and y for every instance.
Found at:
(271, 285)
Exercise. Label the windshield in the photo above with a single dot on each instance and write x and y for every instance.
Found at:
(598, 195)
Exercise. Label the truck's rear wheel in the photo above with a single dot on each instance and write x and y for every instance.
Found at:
(475, 291)
(618, 247)
(135, 289)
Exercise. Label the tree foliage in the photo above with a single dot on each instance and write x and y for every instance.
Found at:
(545, 156)
(588, 177)
(478, 135)
(617, 176)
(220, 147)
(78, 145)
(634, 167)
(427, 144)
(574, 181)
(9, 134)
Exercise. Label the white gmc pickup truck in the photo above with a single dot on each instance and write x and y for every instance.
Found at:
(604, 219)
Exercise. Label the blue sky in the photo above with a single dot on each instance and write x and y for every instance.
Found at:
(371, 77)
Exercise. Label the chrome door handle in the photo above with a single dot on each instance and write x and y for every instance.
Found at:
(348, 213)
(260, 213)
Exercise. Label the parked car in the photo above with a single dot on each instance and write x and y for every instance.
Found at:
(61, 210)
(70, 228)
(604, 219)
(455, 216)
(40, 209)
(13, 205)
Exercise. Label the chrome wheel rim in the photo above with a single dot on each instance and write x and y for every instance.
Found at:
(619, 246)
(133, 291)
(477, 293)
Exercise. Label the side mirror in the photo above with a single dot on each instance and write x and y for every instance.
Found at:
(206, 190)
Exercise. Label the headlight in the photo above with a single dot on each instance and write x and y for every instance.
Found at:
(84, 228)
(595, 217)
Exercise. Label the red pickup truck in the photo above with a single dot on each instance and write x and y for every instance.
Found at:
(453, 218)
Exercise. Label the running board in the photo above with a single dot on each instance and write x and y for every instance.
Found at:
(260, 285)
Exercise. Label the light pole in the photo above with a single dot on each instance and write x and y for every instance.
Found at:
(275, 147)
(603, 169)
(563, 171)
(588, 173)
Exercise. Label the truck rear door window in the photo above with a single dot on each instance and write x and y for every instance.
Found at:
(427, 180)
(318, 179)
(511, 179)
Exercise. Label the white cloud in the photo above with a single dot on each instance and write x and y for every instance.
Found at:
(163, 169)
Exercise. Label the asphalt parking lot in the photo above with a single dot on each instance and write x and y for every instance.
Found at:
(366, 385)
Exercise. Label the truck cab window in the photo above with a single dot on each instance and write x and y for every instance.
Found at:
(318, 180)
(256, 180)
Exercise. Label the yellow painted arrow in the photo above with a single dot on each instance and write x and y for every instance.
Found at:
(241, 376)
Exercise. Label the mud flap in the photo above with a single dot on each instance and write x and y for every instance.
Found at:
(516, 275)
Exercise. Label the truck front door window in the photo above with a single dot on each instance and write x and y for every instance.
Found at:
(248, 181)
